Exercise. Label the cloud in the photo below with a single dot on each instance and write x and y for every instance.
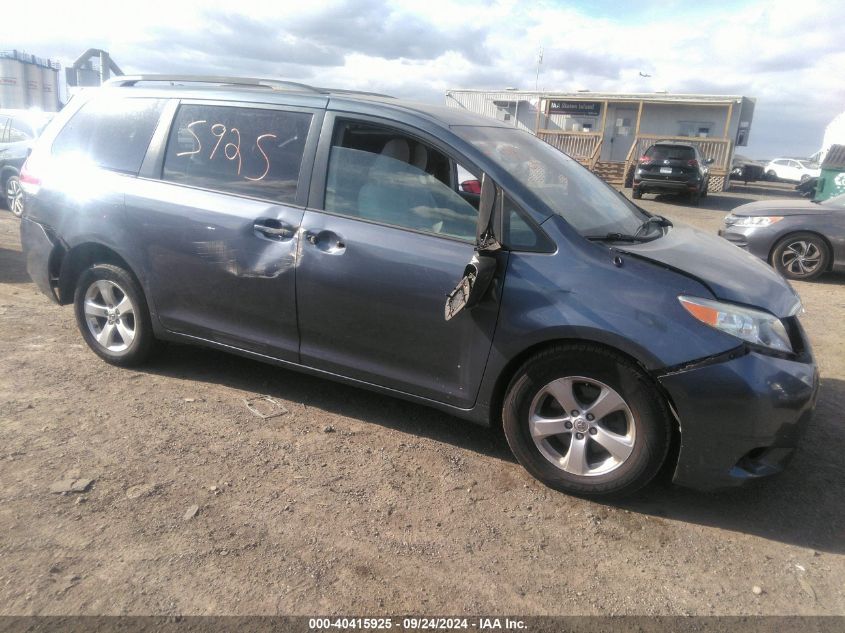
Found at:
(789, 58)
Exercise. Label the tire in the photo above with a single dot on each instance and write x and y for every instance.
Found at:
(695, 197)
(106, 295)
(636, 195)
(13, 195)
(706, 189)
(638, 431)
(771, 175)
(801, 256)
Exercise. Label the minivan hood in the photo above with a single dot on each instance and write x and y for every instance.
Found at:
(784, 207)
(731, 273)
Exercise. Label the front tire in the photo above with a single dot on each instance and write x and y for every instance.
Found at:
(586, 421)
(112, 315)
(801, 256)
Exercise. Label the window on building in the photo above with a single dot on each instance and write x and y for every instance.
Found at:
(248, 151)
(114, 133)
(699, 129)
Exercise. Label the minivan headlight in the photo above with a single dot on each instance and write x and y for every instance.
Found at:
(752, 220)
(754, 326)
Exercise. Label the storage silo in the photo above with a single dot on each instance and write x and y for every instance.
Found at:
(49, 89)
(32, 86)
(12, 91)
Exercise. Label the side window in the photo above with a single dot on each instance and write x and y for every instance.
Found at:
(112, 132)
(248, 151)
(379, 174)
(19, 131)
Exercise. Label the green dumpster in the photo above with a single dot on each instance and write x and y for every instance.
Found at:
(832, 179)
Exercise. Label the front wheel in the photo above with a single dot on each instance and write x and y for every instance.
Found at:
(802, 256)
(14, 196)
(586, 421)
(112, 315)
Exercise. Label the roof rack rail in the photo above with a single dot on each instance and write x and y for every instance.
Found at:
(273, 84)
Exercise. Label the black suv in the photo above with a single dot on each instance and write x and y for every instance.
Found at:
(18, 131)
(669, 167)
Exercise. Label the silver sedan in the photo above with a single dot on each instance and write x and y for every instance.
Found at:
(800, 238)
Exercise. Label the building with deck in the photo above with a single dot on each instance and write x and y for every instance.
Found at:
(608, 132)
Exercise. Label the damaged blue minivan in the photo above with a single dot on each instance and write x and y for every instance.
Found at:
(327, 231)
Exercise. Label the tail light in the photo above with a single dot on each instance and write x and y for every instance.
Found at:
(692, 162)
(471, 186)
(645, 160)
(31, 173)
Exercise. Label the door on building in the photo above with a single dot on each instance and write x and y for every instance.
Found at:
(621, 133)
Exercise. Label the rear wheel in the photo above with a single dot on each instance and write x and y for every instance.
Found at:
(804, 178)
(801, 256)
(706, 188)
(14, 196)
(695, 197)
(636, 195)
(112, 315)
(586, 421)
(771, 175)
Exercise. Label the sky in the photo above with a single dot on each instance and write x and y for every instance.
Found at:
(789, 55)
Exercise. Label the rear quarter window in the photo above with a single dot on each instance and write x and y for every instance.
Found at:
(112, 132)
(249, 151)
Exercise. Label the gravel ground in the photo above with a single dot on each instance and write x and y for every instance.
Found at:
(357, 503)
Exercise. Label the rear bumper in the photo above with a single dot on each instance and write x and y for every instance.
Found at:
(38, 248)
(671, 186)
(740, 419)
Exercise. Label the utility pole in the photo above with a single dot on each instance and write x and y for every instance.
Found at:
(537, 77)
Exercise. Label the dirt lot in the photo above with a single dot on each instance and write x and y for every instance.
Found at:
(358, 503)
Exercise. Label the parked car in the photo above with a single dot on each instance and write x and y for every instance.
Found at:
(791, 169)
(670, 167)
(801, 238)
(745, 169)
(18, 131)
(320, 231)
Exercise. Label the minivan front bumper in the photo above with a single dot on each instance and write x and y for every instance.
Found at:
(741, 418)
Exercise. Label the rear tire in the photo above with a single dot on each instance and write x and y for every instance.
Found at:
(695, 197)
(771, 175)
(13, 195)
(636, 195)
(612, 452)
(801, 256)
(112, 315)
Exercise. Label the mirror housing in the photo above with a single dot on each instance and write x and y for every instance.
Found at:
(479, 272)
(473, 286)
(708, 161)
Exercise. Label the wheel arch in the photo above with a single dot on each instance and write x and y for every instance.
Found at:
(506, 374)
(830, 251)
(67, 265)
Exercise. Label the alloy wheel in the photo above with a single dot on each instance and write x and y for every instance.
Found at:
(14, 196)
(582, 426)
(801, 257)
(110, 315)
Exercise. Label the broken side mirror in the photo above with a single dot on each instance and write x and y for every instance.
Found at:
(480, 270)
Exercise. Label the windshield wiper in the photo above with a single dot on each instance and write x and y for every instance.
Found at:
(614, 237)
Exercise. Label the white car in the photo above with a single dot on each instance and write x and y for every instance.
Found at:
(792, 169)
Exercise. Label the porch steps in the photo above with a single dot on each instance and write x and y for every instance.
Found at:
(611, 173)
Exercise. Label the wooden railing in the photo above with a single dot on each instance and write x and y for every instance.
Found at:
(582, 146)
(719, 149)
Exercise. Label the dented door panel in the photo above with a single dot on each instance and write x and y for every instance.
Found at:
(213, 272)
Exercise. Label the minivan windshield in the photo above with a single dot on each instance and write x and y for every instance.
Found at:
(592, 207)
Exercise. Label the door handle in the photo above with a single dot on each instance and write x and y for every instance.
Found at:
(326, 241)
(274, 229)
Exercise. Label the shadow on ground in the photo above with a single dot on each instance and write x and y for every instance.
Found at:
(803, 506)
(12, 267)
